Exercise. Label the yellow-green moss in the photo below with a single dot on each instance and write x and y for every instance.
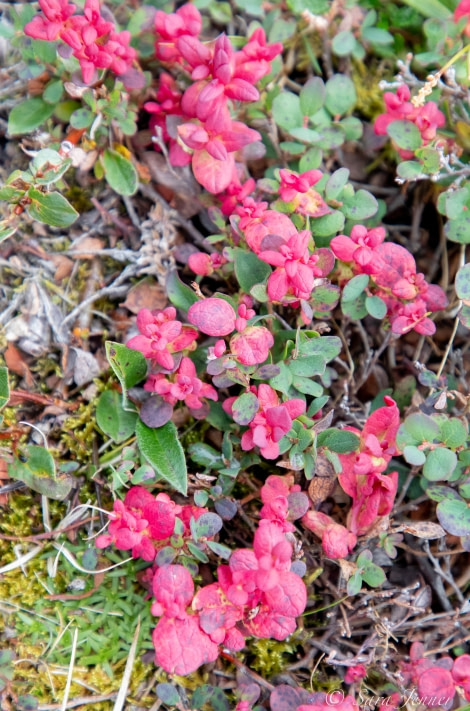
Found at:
(270, 656)
(366, 79)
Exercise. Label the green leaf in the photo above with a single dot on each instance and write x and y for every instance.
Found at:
(421, 427)
(308, 366)
(373, 575)
(245, 408)
(328, 347)
(219, 549)
(405, 134)
(414, 456)
(458, 229)
(440, 463)
(454, 516)
(410, 170)
(39, 474)
(430, 159)
(179, 293)
(129, 366)
(340, 94)
(283, 380)
(4, 387)
(204, 455)
(376, 307)
(307, 386)
(360, 207)
(462, 283)
(376, 35)
(168, 694)
(352, 128)
(328, 225)
(355, 287)
(354, 584)
(163, 451)
(311, 160)
(356, 308)
(29, 115)
(82, 118)
(343, 43)
(430, 8)
(340, 441)
(51, 208)
(312, 96)
(250, 270)
(335, 183)
(286, 110)
(117, 423)
(453, 432)
(53, 92)
(120, 173)
(206, 526)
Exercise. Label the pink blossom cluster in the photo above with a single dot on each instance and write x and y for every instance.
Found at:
(408, 296)
(216, 317)
(183, 385)
(337, 541)
(362, 477)
(463, 10)
(283, 501)
(299, 266)
(203, 132)
(438, 681)
(143, 523)
(90, 38)
(398, 106)
(257, 593)
(271, 422)
(161, 337)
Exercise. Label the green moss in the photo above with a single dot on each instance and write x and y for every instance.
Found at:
(270, 656)
(370, 102)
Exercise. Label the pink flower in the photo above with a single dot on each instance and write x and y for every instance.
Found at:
(214, 144)
(183, 385)
(373, 493)
(257, 222)
(293, 183)
(355, 673)
(48, 28)
(205, 264)
(296, 268)
(272, 421)
(337, 541)
(252, 345)
(426, 118)
(461, 673)
(413, 316)
(359, 247)
(161, 336)
(171, 26)
(463, 10)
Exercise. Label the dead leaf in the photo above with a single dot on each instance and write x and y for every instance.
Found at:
(84, 244)
(347, 568)
(181, 181)
(423, 529)
(147, 294)
(82, 366)
(63, 266)
(17, 364)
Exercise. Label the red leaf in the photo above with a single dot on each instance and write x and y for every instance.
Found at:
(181, 646)
(214, 317)
(214, 175)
